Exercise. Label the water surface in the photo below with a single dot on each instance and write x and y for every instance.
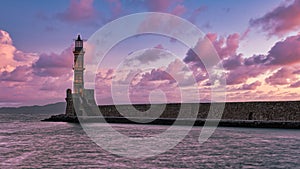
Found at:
(25, 142)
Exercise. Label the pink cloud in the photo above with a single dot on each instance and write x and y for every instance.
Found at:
(281, 20)
(238, 70)
(5, 38)
(179, 10)
(183, 75)
(283, 53)
(232, 44)
(157, 75)
(10, 56)
(159, 46)
(251, 86)
(19, 74)
(35, 90)
(158, 5)
(108, 75)
(242, 73)
(82, 10)
(170, 6)
(54, 85)
(116, 7)
(20, 56)
(51, 74)
(17, 81)
(225, 46)
(30, 78)
(23, 87)
(141, 84)
(103, 83)
(153, 81)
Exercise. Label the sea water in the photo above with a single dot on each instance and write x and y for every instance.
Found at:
(25, 142)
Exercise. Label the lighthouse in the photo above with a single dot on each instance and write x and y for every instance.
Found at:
(78, 82)
(81, 101)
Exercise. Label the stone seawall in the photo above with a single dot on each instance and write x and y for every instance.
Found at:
(244, 114)
(278, 111)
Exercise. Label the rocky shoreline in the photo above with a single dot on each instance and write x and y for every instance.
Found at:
(62, 118)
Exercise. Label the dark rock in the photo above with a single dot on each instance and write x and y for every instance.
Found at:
(62, 118)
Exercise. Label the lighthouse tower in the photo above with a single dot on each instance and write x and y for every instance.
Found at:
(78, 84)
(82, 100)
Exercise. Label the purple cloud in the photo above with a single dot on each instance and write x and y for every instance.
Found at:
(78, 11)
(281, 77)
(54, 64)
(295, 85)
(280, 21)
(285, 52)
(251, 86)
(232, 62)
(19, 74)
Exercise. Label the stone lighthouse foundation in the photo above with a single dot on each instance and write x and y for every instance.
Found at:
(70, 111)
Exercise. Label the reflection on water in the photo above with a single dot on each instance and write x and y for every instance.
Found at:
(34, 144)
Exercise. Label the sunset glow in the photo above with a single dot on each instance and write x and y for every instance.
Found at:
(257, 41)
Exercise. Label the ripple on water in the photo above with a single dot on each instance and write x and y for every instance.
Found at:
(40, 144)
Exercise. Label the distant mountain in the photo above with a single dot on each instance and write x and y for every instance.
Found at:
(55, 108)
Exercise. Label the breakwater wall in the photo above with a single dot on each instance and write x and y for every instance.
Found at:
(278, 111)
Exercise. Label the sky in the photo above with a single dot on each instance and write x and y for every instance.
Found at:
(258, 43)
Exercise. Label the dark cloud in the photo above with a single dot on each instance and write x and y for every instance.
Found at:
(147, 56)
(193, 59)
(255, 60)
(232, 62)
(54, 64)
(285, 52)
(281, 20)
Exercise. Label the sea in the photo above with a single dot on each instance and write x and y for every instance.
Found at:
(26, 142)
